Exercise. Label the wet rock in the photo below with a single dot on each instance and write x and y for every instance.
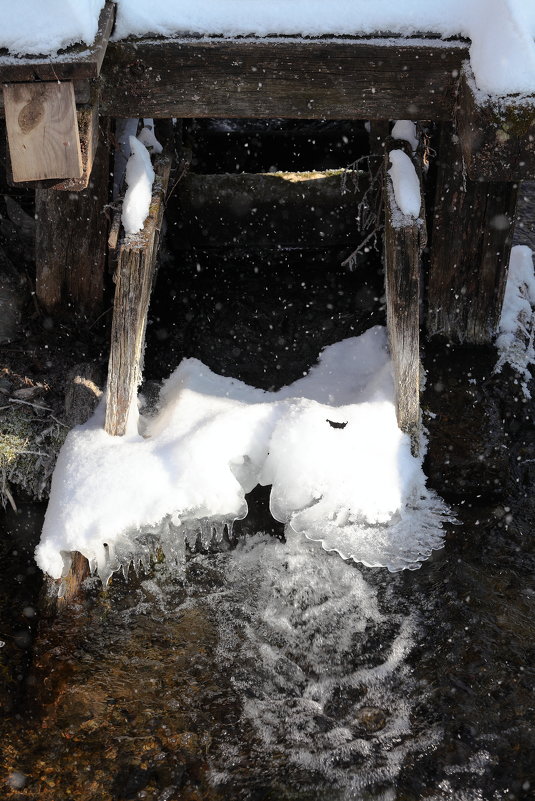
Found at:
(370, 719)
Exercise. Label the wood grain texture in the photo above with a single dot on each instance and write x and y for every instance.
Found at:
(71, 241)
(42, 131)
(327, 78)
(88, 131)
(404, 241)
(74, 63)
(133, 284)
(497, 137)
(470, 248)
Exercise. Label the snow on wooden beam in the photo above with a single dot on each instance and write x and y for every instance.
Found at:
(405, 238)
(75, 63)
(134, 277)
(497, 136)
(331, 78)
(471, 243)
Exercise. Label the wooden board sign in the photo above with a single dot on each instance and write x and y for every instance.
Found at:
(42, 130)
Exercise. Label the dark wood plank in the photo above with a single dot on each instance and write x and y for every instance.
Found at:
(329, 78)
(71, 242)
(470, 248)
(497, 137)
(133, 284)
(76, 62)
(306, 210)
(404, 242)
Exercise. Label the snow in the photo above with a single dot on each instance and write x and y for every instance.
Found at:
(33, 27)
(356, 488)
(148, 136)
(502, 50)
(405, 184)
(514, 339)
(139, 180)
(405, 130)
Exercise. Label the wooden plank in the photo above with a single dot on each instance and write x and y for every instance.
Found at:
(305, 210)
(76, 62)
(329, 78)
(42, 131)
(471, 243)
(497, 136)
(133, 284)
(82, 95)
(405, 240)
(71, 242)
(88, 130)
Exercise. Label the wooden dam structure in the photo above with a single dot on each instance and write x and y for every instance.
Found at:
(58, 111)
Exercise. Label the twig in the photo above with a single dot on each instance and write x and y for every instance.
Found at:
(55, 419)
(27, 403)
(9, 496)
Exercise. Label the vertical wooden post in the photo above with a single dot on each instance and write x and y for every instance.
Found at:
(134, 277)
(71, 241)
(471, 242)
(405, 238)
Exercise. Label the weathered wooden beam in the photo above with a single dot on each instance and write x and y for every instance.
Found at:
(299, 209)
(71, 241)
(404, 241)
(133, 283)
(497, 137)
(42, 130)
(470, 247)
(74, 63)
(331, 78)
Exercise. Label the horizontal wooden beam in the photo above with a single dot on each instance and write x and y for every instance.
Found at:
(76, 62)
(328, 78)
(497, 137)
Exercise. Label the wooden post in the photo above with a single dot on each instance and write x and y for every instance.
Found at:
(71, 241)
(42, 130)
(405, 238)
(471, 243)
(134, 278)
(497, 137)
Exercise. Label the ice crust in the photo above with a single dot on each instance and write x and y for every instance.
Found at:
(354, 485)
(139, 180)
(514, 339)
(405, 184)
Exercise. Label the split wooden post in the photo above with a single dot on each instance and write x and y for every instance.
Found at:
(133, 284)
(471, 243)
(71, 241)
(404, 240)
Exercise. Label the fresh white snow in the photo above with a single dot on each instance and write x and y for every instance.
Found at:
(356, 487)
(33, 27)
(139, 180)
(514, 339)
(405, 130)
(405, 184)
(502, 50)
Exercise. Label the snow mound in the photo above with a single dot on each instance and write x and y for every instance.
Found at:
(514, 339)
(31, 27)
(139, 180)
(405, 184)
(341, 471)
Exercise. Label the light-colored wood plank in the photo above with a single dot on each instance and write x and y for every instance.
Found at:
(42, 130)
